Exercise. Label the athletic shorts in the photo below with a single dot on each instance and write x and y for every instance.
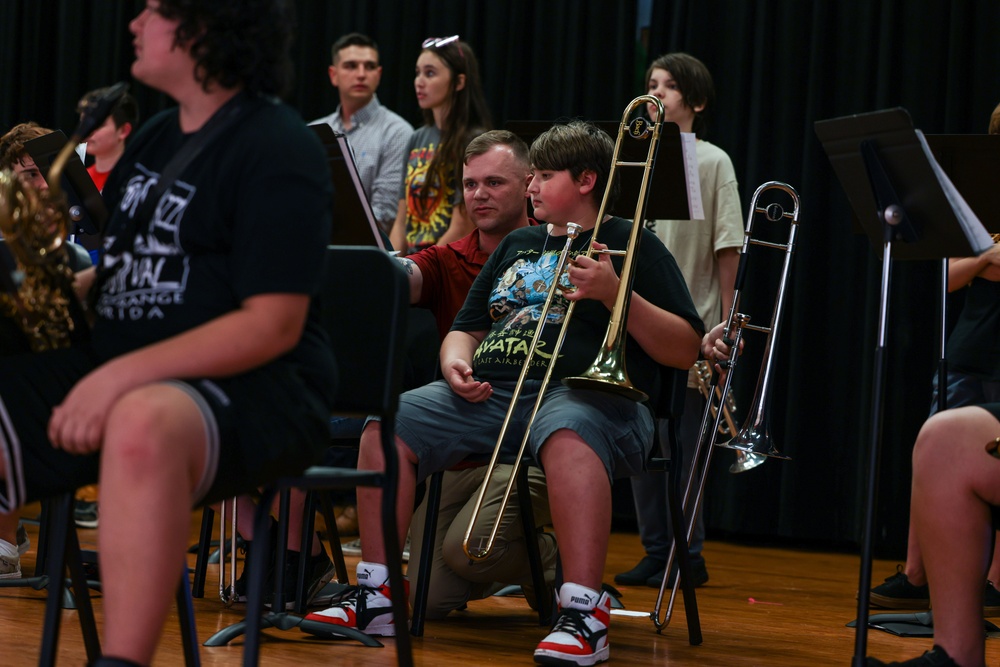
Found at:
(259, 426)
(442, 428)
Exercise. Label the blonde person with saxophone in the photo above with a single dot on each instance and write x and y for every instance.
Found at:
(171, 401)
(707, 252)
(973, 355)
(582, 438)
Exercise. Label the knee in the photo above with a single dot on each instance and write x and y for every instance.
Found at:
(370, 449)
(136, 433)
(943, 444)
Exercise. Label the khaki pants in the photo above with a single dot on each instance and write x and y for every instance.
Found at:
(454, 579)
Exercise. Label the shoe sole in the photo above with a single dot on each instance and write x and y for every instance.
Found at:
(85, 523)
(378, 631)
(883, 602)
(546, 657)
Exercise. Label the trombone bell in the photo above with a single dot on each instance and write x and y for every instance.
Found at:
(755, 441)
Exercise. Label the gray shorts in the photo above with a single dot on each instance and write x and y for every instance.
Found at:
(442, 428)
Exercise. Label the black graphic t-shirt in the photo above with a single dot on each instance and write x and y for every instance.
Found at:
(250, 215)
(508, 296)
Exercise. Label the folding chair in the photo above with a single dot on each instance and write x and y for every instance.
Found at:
(364, 301)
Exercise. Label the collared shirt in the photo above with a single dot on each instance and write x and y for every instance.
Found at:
(379, 138)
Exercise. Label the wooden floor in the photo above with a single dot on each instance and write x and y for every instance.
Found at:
(761, 606)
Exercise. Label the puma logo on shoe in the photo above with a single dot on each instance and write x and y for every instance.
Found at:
(584, 601)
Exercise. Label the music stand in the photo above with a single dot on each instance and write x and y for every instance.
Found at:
(674, 188)
(86, 206)
(353, 220)
(886, 168)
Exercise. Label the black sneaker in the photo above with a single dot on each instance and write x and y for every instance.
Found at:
(898, 593)
(319, 572)
(85, 514)
(644, 569)
(698, 571)
(991, 600)
(936, 657)
(243, 583)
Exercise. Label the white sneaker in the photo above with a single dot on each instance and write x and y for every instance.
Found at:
(367, 608)
(580, 635)
(10, 561)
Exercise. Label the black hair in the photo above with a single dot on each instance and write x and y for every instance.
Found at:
(237, 44)
(351, 39)
(126, 109)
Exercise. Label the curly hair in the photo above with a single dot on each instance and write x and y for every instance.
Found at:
(12, 143)
(236, 44)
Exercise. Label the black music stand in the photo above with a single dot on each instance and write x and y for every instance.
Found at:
(353, 220)
(86, 206)
(886, 168)
(673, 183)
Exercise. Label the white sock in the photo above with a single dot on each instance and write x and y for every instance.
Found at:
(372, 575)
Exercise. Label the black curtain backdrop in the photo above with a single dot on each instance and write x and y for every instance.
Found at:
(779, 66)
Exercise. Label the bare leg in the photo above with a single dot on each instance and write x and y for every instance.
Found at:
(152, 457)
(954, 483)
(370, 499)
(580, 502)
(914, 566)
(8, 526)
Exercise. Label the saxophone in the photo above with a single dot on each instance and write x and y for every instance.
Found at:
(38, 282)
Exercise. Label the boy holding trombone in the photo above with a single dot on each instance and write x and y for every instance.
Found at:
(581, 437)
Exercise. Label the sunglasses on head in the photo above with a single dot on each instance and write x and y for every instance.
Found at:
(437, 42)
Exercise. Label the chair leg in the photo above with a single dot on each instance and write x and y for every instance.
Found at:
(679, 524)
(185, 614)
(542, 597)
(63, 547)
(333, 537)
(433, 501)
(204, 548)
(258, 570)
(390, 533)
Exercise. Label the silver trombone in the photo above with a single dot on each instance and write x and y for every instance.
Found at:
(607, 373)
(703, 375)
(753, 441)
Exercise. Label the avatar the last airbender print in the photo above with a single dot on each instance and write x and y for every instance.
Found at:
(516, 303)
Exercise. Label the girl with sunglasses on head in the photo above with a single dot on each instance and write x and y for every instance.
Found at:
(450, 95)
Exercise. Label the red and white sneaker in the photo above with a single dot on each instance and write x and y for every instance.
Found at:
(367, 608)
(580, 634)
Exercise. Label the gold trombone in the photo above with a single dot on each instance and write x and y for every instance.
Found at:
(753, 441)
(608, 370)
